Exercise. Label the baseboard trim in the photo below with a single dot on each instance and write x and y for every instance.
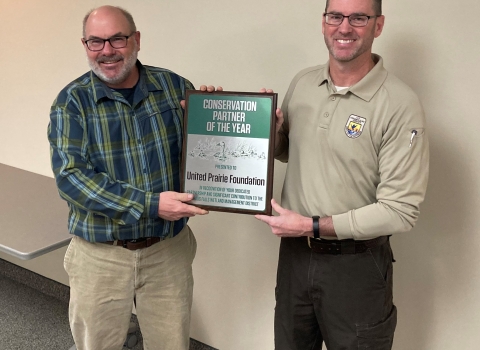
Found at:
(34, 280)
(60, 291)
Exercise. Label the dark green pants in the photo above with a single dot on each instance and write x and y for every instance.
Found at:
(344, 301)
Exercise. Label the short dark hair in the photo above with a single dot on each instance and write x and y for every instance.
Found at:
(128, 16)
(377, 6)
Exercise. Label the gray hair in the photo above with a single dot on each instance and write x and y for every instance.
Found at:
(128, 16)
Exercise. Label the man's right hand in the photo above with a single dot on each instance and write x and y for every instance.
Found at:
(278, 113)
(173, 207)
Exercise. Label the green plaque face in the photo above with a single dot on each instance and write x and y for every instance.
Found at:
(227, 158)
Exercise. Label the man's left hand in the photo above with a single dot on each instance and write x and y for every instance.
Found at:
(288, 223)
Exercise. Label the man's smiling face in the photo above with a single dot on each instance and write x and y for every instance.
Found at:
(113, 66)
(344, 42)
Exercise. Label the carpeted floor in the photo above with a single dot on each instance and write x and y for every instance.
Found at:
(34, 313)
(31, 320)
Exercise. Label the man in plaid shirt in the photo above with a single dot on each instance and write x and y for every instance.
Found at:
(116, 135)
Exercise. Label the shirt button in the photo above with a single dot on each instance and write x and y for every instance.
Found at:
(326, 115)
(333, 98)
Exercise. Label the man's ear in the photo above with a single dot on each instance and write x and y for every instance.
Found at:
(137, 39)
(379, 24)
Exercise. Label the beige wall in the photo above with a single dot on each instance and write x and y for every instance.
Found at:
(247, 44)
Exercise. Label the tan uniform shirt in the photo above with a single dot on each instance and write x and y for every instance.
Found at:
(349, 152)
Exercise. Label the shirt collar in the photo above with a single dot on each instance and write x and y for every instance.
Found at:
(144, 85)
(365, 88)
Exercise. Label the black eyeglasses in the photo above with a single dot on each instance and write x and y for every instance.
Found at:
(117, 42)
(335, 19)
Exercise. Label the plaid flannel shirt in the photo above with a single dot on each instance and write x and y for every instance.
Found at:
(111, 159)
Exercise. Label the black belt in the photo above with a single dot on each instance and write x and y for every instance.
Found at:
(347, 246)
(134, 244)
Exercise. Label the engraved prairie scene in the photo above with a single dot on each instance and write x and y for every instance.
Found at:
(221, 150)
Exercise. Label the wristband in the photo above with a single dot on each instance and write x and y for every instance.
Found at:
(316, 227)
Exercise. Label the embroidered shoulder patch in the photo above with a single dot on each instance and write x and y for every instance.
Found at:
(354, 126)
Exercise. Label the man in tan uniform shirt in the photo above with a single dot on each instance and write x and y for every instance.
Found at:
(355, 141)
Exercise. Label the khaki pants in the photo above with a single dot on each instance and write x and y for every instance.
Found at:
(104, 280)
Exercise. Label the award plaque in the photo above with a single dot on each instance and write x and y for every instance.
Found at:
(228, 144)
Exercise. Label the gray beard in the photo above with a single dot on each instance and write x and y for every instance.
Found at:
(129, 63)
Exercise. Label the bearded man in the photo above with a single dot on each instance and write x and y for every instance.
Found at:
(115, 135)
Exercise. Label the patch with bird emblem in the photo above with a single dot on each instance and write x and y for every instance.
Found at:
(354, 126)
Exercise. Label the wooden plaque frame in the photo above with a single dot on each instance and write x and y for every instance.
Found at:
(227, 154)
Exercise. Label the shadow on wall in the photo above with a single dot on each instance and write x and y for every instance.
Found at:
(431, 261)
(431, 273)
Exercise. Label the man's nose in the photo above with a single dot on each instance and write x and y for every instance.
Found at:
(108, 49)
(345, 26)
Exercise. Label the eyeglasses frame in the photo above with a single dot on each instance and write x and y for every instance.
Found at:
(105, 40)
(343, 18)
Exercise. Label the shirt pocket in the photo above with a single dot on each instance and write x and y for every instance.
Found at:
(162, 118)
(416, 134)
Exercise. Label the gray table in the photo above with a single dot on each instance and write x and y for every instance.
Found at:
(33, 218)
